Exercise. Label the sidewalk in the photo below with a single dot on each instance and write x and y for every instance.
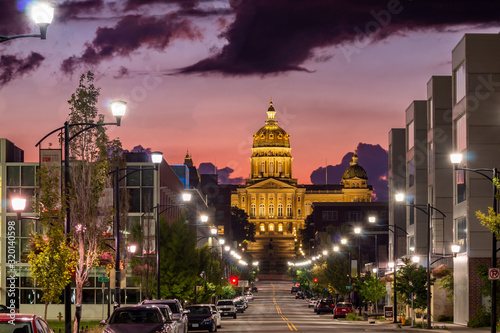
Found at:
(436, 327)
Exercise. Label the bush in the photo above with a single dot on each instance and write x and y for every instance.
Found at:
(481, 319)
(443, 318)
(352, 316)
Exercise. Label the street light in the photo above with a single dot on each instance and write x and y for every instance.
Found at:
(456, 159)
(156, 157)
(399, 198)
(42, 13)
(118, 112)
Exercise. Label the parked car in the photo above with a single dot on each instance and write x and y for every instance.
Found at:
(217, 315)
(312, 302)
(139, 318)
(200, 317)
(20, 322)
(249, 296)
(178, 313)
(167, 313)
(294, 289)
(300, 295)
(342, 309)
(4, 309)
(227, 307)
(240, 305)
(254, 289)
(324, 305)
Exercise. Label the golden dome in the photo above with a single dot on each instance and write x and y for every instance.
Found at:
(354, 170)
(271, 135)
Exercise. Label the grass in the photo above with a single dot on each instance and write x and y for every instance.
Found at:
(56, 325)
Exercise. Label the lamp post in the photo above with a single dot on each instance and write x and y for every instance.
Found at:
(156, 158)
(42, 13)
(456, 159)
(118, 109)
(343, 241)
(428, 211)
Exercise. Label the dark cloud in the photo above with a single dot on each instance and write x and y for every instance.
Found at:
(184, 4)
(372, 158)
(13, 67)
(224, 174)
(70, 10)
(131, 33)
(269, 37)
(122, 72)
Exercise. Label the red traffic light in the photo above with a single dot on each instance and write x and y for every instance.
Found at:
(234, 280)
(315, 280)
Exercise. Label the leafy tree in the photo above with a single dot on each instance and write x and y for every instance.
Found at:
(143, 267)
(89, 177)
(371, 289)
(180, 260)
(306, 234)
(411, 282)
(337, 273)
(304, 277)
(241, 227)
(228, 292)
(445, 276)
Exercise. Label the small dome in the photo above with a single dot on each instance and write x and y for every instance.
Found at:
(271, 135)
(354, 170)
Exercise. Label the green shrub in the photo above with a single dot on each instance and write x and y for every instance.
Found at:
(481, 319)
(444, 318)
(352, 316)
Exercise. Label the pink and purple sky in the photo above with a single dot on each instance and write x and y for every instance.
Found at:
(198, 75)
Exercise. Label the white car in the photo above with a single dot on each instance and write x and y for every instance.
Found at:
(216, 312)
(249, 296)
(312, 302)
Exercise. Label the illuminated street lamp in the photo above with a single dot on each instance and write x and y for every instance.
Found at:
(42, 14)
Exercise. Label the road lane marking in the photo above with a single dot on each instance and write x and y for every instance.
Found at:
(294, 326)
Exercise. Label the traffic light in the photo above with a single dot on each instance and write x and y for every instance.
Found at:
(234, 280)
(315, 280)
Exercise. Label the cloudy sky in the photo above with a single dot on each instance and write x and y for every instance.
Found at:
(199, 74)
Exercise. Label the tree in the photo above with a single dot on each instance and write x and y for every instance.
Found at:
(306, 234)
(88, 179)
(227, 292)
(241, 227)
(304, 277)
(372, 289)
(411, 283)
(444, 275)
(143, 266)
(51, 260)
(337, 272)
(180, 260)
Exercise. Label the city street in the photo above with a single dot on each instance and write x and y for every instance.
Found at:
(275, 309)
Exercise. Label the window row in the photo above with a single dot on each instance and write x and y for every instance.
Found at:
(270, 227)
(271, 168)
(271, 210)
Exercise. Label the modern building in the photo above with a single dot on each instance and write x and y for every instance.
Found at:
(277, 204)
(476, 124)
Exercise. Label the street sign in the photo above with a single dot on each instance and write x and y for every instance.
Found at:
(103, 279)
(349, 287)
(493, 274)
(388, 312)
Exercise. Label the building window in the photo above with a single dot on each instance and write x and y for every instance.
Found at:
(280, 167)
(262, 167)
(410, 136)
(430, 157)
(461, 228)
(299, 212)
(280, 227)
(242, 199)
(271, 227)
(298, 199)
(308, 208)
(262, 227)
(411, 215)
(411, 244)
(262, 210)
(271, 210)
(353, 216)
(271, 167)
(461, 134)
(289, 210)
(459, 79)
(461, 186)
(330, 215)
(430, 114)
(280, 210)
(253, 210)
(411, 173)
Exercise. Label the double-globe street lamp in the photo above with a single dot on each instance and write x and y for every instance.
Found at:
(428, 211)
(118, 109)
(456, 159)
(42, 13)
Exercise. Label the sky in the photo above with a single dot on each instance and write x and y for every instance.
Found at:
(198, 75)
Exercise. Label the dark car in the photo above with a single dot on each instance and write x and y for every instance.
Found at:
(133, 319)
(4, 309)
(324, 305)
(200, 317)
(178, 313)
(300, 295)
(19, 322)
(168, 315)
(254, 289)
(342, 309)
(294, 290)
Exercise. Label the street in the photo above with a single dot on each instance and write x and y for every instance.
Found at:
(275, 309)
